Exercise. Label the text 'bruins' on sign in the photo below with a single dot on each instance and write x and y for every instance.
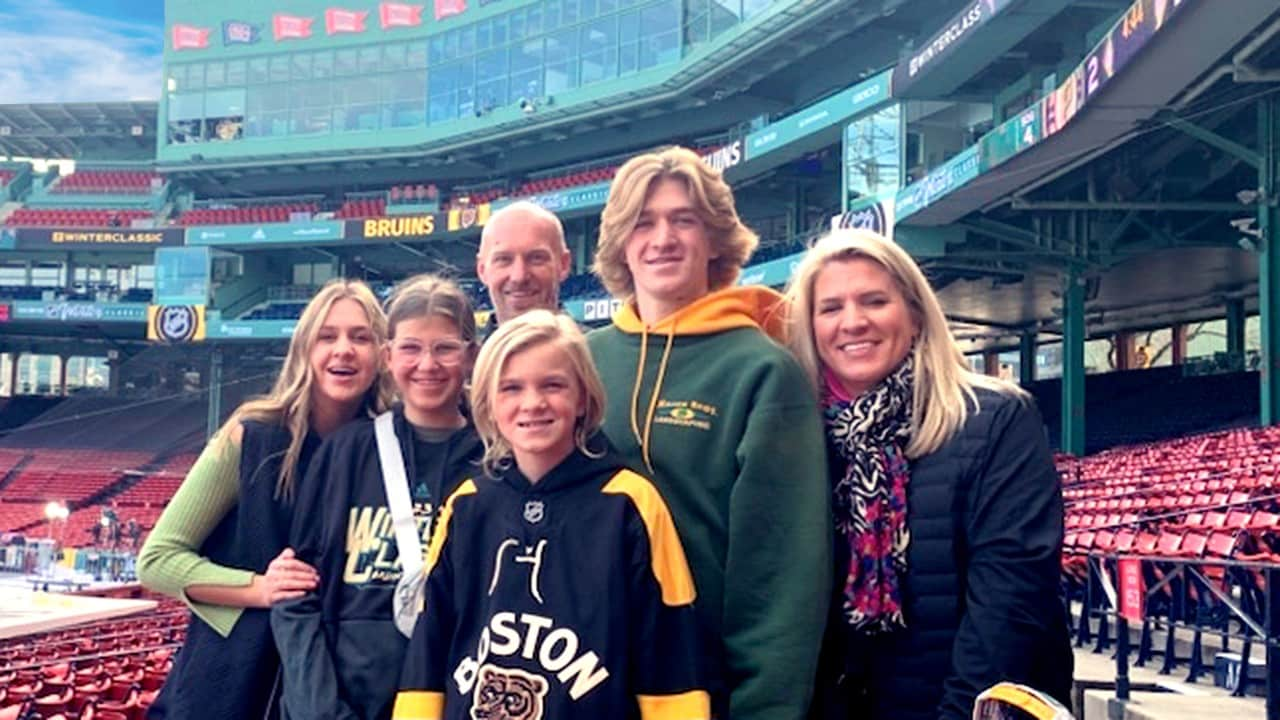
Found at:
(175, 323)
(400, 227)
(419, 226)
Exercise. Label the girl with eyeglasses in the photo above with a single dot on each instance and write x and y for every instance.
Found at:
(367, 504)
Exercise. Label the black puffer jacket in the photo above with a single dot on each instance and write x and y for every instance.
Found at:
(982, 593)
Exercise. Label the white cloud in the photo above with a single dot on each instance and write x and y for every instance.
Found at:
(55, 54)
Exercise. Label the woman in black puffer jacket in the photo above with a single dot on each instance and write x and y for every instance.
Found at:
(948, 509)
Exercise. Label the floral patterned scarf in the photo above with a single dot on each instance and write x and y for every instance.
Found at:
(870, 433)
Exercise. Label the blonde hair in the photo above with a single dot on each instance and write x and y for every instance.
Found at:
(533, 329)
(426, 295)
(731, 242)
(944, 383)
(289, 402)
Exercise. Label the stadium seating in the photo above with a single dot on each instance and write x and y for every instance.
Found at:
(414, 193)
(89, 481)
(121, 182)
(273, 213)
(69, 475)
(561, 182)
(6, 176)
(361, 208)
(158, 487)
(104, 670)
(77, 217)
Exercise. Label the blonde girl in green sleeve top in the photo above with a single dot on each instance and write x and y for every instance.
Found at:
(220, 545)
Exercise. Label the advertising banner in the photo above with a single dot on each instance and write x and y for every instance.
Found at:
(175, 323)
(1133, 591)
(941, 180)
(410, 227)
(399, 227)
(770, 274)
(931, 54)
(873, 213)
(836, 109)
(249, 329)
(580, 198)
(724, 157)
(8, 240)
(5, 312)
(1141, 22)
(468, 217)
(1010, 137)
(95, 239)
(266, 234)
(76, 311)
(592, 310)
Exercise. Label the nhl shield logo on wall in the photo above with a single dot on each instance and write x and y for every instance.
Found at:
(176, 323)
(533, 512)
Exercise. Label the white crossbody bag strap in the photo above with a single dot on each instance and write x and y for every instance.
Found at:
(408, 544)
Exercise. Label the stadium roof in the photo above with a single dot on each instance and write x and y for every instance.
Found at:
(122, 131)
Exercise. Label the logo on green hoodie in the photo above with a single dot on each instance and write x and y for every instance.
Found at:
(686, 413)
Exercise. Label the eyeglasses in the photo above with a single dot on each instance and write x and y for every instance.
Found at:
(445, 352)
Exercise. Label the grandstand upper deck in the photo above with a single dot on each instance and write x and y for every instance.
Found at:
(108, 131)
(507, 79)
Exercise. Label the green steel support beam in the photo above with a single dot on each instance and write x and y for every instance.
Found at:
(1041, 244)
(1073, 365)
(1209, 137)
(215, 392)
(1027, 358)
(581, 256)
(1235, 327)
(799, 198)
(1269, 256)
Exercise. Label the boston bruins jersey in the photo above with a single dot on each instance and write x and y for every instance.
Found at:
(568, 598)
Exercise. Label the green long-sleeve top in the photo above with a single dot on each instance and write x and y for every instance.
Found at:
(170, 561)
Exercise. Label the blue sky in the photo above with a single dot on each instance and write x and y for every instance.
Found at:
(80, 50)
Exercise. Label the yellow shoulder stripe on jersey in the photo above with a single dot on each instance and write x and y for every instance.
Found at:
(1022, 699)
(669, 563)
(692, 705)
(441, 532)
(418, 705)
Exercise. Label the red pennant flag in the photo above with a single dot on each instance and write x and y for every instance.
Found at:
(337, 20)
(393, 14)
(448, 8)
(285, 27)
(186, 37)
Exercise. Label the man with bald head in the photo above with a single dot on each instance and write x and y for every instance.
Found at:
(522, 260)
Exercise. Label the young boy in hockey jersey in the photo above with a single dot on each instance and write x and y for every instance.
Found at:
(556, 586)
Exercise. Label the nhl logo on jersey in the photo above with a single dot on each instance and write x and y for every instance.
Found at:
(534, 511)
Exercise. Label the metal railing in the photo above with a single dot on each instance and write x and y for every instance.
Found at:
(1203, 596)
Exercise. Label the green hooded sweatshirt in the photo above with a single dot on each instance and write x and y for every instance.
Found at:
(726, 423)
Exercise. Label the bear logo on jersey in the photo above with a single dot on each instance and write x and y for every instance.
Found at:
(508, 694)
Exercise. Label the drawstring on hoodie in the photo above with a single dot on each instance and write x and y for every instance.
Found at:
(737, 307)
(643, 438)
